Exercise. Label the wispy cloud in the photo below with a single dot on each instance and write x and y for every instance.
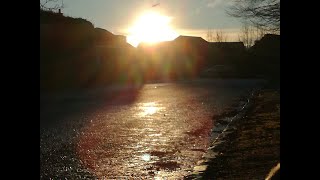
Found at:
(206, 4)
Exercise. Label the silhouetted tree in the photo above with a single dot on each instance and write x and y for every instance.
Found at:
(216, 36)
(246, 36)
(250, 34)
(51, 5)
(264, 14)
(209, 37)
(220, 36)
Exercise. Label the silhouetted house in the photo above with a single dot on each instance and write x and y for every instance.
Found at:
(226, 52)
(107, 39)
(108, 44)
(229, 46)
(197, 47)
(191, 39)
(113, 55)
(265, 55)
(268, 45)
(182, 45)
(191, 53)
(192, 45)
(182, 57)
(164, 48)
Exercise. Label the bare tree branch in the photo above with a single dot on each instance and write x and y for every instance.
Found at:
(216, 36)
(51, 5)
(220, 36)
(264, 14)
(209, 37)
(250, 34)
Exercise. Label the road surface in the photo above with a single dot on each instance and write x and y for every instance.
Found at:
(155, 131)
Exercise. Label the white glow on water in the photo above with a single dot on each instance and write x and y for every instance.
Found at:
(149, 109)
(146, 157)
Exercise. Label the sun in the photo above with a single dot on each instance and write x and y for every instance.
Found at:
(151, 27)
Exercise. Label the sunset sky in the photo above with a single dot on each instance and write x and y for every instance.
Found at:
(188, 17)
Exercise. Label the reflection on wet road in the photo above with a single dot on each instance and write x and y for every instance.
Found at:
(156, 131)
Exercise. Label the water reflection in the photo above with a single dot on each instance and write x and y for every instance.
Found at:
(146, 157)
(149, 108)
(148, 138)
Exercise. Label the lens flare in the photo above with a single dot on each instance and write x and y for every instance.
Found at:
(151, 27)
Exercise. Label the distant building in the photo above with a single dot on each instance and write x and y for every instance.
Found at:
(191, 39)
(192, 45)
(225, 52)
(109, 46)
(267, 48)
(230, 46)
(107, 39)
(268, 43)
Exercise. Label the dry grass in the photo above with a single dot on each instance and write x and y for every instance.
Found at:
(253, 148)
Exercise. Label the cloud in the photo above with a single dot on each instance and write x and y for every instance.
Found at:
(206, 4)
(213, 3)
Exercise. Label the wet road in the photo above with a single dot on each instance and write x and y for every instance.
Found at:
(155, 131)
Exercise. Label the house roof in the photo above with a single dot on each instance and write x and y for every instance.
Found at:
(194, 39)
(103, 32)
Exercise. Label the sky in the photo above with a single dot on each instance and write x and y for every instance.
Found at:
(189, 17)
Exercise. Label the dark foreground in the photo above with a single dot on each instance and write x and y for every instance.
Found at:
(251, 146)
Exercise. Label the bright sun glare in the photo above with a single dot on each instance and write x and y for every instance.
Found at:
(151, 27)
